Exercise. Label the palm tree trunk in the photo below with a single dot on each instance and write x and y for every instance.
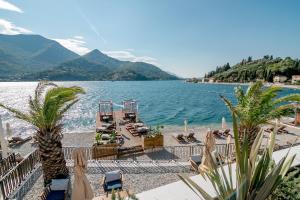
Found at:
(250, 134)
(52, 157)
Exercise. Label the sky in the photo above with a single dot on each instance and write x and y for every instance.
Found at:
(185, 37)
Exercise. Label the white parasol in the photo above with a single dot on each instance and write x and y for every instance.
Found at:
(224, 125)
(4, 145)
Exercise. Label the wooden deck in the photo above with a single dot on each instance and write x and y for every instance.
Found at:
(129, 139)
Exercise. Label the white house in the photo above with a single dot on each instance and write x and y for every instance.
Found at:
(295, 79)
(211, 80)
(279, 79)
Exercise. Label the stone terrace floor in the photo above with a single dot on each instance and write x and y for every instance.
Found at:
(139, 176)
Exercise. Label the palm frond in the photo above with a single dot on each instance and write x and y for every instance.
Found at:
(18, 114)
(288, 99)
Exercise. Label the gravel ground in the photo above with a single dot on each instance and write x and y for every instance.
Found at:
(134, 182)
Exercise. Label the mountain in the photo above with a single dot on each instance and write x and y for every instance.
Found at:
(33, 57)
(98, 57)
(79, 69)
(250, 70)
(84, 69)
(31, 53)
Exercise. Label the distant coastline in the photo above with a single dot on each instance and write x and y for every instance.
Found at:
(265, 84)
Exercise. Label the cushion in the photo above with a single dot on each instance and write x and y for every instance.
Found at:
(112, 176)
(113, 185)
(56, 195)
(196, 158)
(105, 136)
(59, 184)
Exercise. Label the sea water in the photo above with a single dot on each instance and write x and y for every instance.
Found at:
(166, 103)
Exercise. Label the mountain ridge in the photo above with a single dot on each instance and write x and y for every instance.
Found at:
(34, 57)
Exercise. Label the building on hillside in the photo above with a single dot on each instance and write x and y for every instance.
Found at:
(279, 79)
(295, 79)
(211, 80)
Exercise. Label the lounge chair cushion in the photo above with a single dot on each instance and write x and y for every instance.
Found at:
(117, 184)
(59, 184)
(196, 158)
(105, 137)
(112, 176)
(56, 195)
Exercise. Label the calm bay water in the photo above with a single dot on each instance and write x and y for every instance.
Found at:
(160, 102)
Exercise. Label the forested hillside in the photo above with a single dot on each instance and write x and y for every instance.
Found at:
(250, 70)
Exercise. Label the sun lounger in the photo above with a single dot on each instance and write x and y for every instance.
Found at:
(133, 132)
(142, 129)
(17, 140)
(217, 134)
(226, 133)
(179, 138)
(190, 137)
(112, 180)
(280, 130)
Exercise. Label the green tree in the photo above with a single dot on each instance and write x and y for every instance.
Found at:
(257, 106)
(249, 59)
(46, 110)
(290, 186)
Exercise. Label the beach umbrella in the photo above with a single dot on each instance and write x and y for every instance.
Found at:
(209, 148)
(4, 145)
(81, 187)
(224, 125)
(185, 125)
(8, 131)
(137, 113)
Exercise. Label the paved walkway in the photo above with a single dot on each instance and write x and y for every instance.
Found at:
(136, 167)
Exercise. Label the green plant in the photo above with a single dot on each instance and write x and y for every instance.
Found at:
(256, 176)
(113, 137)
(289, 188)
(98, 138)
(257, 106)
(46, 110)
(156, 131)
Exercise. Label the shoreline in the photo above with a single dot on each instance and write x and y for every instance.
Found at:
(265, 84)
(87, 139)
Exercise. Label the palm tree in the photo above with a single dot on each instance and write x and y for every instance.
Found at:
(257, 106)
(46, 110)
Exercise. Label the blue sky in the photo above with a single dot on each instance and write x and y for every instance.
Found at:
(186, 37)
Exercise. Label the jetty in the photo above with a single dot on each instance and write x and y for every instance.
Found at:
(121, 131)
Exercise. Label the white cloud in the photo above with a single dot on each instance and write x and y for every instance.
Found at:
(79, 37)
(129, 56)
(9, 28)
(76, 44)
(9, 6)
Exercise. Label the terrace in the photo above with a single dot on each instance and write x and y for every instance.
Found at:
(161, 166)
